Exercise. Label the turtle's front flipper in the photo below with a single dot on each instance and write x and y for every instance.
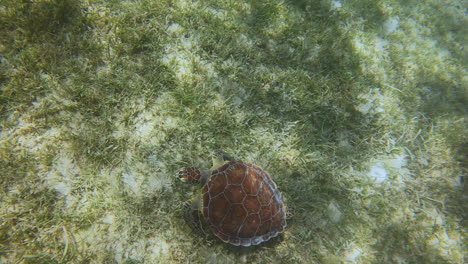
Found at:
(220, 158)
(223, 155)
(194, 218)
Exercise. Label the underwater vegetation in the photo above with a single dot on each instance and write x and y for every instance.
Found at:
(355, 108)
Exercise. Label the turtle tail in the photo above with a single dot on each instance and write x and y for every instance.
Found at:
(192, 175)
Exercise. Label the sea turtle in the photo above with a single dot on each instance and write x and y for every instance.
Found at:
(241, 203)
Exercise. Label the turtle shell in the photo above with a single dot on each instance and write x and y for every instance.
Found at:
(242, 204)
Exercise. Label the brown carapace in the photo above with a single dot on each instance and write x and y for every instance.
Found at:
(241, 203)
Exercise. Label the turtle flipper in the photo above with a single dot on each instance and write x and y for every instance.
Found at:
(223, 155)
(194, 218)
(220, 158)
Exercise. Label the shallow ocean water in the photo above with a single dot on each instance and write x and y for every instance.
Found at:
(355, 108)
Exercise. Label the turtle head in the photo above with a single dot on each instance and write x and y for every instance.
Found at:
(192, 175)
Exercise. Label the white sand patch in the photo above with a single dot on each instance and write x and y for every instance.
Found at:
(174, 28)
(336, 4)
(382, 102)
(145, 125)
(390, 25)
(373, 48)
(244, 41)
(153, 250)
(278, 144)
(144, 179)
(149, 174)
(378, 173)
(183, 60)
(183, 4)
(108, 236)
(216, 12)
(374, 52)
(180, 62)
(157, 182)
(64, 170)
(62, 176)
(158, 248)
(150, 125)
(130, 180)
(334, 213)
(359, 45)
(102, 71)
(390, 169)
(397, 162)
(108, 219)
(182, 56)
(351, 255)
(31, 141)
(372, 102)
(62, 187)
(118, 251)
(381, 44)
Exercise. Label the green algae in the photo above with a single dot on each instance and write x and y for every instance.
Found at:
(355, 108)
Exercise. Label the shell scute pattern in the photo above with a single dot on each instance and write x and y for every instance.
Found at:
(242, 205)
(234, 193)
(218, 208)
(264, 194)
(217, 186)
(252, 204)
